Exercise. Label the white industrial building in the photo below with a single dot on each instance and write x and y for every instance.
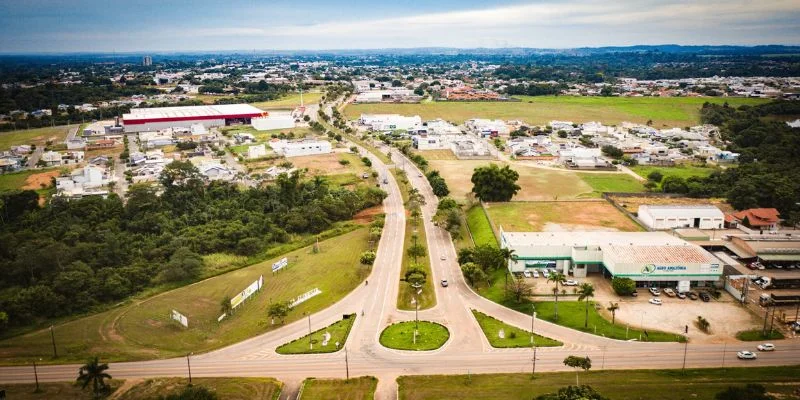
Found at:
(153, 119)
(389, 122)
(676, 216)
(649, 258)
(273, 121)
(487, 127)
(299, 148)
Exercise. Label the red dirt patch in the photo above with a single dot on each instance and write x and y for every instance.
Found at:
(36, 181)
(365, 217)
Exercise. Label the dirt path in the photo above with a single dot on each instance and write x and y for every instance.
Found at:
(127, 385)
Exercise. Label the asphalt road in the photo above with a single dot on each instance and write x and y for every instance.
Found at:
(467, 350)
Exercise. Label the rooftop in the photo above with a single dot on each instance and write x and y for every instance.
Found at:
(708, 211)
(592, 239)
(191, 112)
(659, 254)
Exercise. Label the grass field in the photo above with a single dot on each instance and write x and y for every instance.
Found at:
(663, 111)
(225, 388)
(289, 102)
(142, 329)
(681, 171)
(612, 183)
(52, 390)
(513, 337)
(480, 227)
(756, 335)
(22, 179)
(361, 388)
(701, 384)
(400, 336)
(38, 136)
(437, 154)
(560, 216)
(338, 331)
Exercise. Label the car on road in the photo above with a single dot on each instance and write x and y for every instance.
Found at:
(669, 292)
(526, 273)
(681, 295)
(535, 274)
(570, 283)
(766, 347)
(705, 297)
(443, 257)
(444, 283)
(655, 301)
(692, 295)
(655, 291)
(746, 355)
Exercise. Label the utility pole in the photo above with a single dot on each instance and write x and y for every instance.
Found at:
(766, 317)
(346, 365)
(36, 377)
(189, 365)
(533, 362)
(724, 349)
(53, 339)
(533, 318)
(685, 349)
(416, 318)
(310, 346)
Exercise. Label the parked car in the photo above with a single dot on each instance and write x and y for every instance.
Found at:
(655, 301)
(535, 273)
(634, 294)
(443, 257)
(444, 283)
(692, 295)
(766, 347)
(545, 274)
(655, 291)
(669, 292)
(527, 274)
(746, 355)
(705, 297)
(571, 283)
(681, 295)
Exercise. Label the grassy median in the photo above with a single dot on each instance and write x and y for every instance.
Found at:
(512, 336)
(361, 388)
(338, 331)
(400, 336)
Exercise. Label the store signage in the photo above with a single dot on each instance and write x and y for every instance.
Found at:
(652, 268)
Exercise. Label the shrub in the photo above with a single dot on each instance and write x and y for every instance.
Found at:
(623, 286)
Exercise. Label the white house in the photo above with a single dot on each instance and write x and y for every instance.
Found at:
(674, 216)
(487, 127)
(87, 181)
(256, 151)
(305, 147)
(51, 158)
(214, 171)
(389, 122)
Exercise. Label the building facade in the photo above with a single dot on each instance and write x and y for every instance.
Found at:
(672, 216)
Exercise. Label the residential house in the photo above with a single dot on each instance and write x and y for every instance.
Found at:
(756, 218)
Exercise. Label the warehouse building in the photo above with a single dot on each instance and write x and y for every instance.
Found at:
(652, 259)
(676, 216)
(273, 121)
(389, 122)
(154, 119)
(298, 148)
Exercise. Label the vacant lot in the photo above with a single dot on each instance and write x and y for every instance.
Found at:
(612, 182)
(536, 183)
(681, 171)
(225, 388)
(559, 216)
(632, 203)
(663, 111)
(289, 102)
(38, 136)
(52, 390)
(437, 154)
(30, 179)
(143, 329)
(617, 385)
(362, 388)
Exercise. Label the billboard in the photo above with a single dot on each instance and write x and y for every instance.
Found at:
(180, 318)
(283, 262)
(305, 296)
(247, 292)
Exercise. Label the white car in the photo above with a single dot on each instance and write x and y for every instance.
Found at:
(746, 355)
(655, 291)
(545, 274)
(655, 301)
(526, 273)
(443, 257)
(535, 274)
(766, 347)
(571, 283)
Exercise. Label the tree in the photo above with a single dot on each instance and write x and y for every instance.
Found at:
(94, 373)
(585, 292)
(279, 310)
(225, 305)
(674, 184)
(492, 183)
(520, 289)
(473, 273)
(584, 363)
(655, 176)
(612, 151)
(367, 257)
(416, 250)
(183, 264)
(623, 286)
(416, 275)
(613, 307)
(703, 324)
(751, 391)
(558, 278)
(248, 246)
(584, 392)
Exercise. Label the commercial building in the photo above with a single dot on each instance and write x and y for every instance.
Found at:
(675, 216)
(153, 119)
(773, 248)
(389, 122)
(301, 147)
(273, 121)
(649, 258)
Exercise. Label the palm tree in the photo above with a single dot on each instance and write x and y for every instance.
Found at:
(585, 292)
(558, 278)
(93, 372)
(507, 254)
(613, 307)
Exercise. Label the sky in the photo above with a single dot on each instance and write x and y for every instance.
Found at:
(44, 26)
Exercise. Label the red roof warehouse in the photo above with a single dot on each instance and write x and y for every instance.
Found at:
(153, 119)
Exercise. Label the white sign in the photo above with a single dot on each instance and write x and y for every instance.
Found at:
(221, 317)
(280, 264)
(684, 286)
(180, 318)
(247, 292)
(305, 296)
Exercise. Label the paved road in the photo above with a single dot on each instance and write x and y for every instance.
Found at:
(467, 351)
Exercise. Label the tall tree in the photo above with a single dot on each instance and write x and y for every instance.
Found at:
(94, 373)
(558, 278)
(613, 307)
(586, 292)
(579, 363)
(492, 183)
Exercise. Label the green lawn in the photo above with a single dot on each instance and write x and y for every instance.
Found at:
(558, 216)
(38, 136)
(701, 384)
(338, 331)
(142, 329)
(225, 388)
(756, 335)
(681, 171)
(663, 111)
(400, 336)
(16, 180)
(52, 390)
(361, 388)
(289, 101)
(513, 337)
(612, 183)
(480, 227)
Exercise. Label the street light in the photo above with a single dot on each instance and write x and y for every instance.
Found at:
(641, 326)
(36, 377)
(685, 348)
(53, 339)
(310, 346)
(189, 366)
(533, 318)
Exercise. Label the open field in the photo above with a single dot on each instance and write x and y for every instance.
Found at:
(400, 336)
(536, 183)
(632, 203)
(142, 328)
(616, 385)
(612, 183)
(681, 171)
(663, 111)
(361, 388)
(558, 216)
(52, 390)
(338, 331)
(480, 226)
(512, 337)
(756, 335)
(225, 388)
(436, 154)
(290, 101)
(38, 136)
(29, 179)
